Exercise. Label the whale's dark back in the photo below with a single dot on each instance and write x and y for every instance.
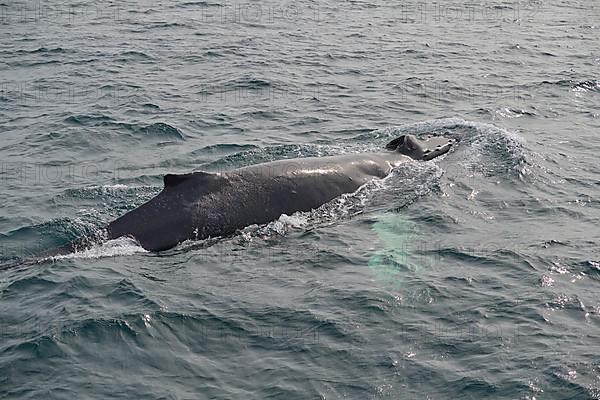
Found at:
(167, 219)
(201, 204)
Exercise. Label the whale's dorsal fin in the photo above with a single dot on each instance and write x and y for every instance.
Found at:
(171, 180)
(174, 179)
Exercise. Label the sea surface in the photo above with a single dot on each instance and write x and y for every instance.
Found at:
(473, 276)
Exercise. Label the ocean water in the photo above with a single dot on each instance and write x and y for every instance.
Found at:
(472, 276)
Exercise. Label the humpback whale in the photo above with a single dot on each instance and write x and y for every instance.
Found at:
(200, 205)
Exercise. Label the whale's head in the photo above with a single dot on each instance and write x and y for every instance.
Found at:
(420, 149)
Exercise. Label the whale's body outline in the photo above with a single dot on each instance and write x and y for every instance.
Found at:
(200, 205)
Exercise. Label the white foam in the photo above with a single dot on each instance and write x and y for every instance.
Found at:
(294, 220)
(118, 186)
(280, 226)
(122, 246)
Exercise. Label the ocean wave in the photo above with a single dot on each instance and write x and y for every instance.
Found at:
(157, 129)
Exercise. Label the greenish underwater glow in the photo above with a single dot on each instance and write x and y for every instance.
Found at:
(397, 237)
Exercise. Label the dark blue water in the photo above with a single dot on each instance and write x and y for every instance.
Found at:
(472, 276)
